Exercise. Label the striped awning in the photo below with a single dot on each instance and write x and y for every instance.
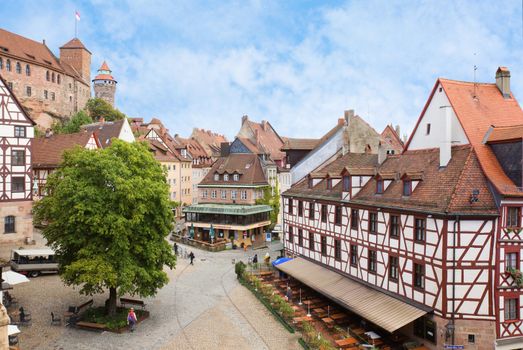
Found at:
(377, 307)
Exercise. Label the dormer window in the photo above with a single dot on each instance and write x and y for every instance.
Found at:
(346, 183)
(216, 177)
(225, 177)
(379, 186)
(407, 187)
(236, 177)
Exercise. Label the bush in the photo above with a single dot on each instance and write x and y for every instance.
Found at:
(266, 290)
(286, 310)
(119, 320)
(239, 268)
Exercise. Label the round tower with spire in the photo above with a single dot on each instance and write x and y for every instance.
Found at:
(104, 84)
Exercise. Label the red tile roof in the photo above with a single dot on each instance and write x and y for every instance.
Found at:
(264, 137)
(48, 151)
(209, 140)
(476, 115)
(104, 77)
(505, 134)
(74, 43)
(28, 50)
(247, 165)
(299, 144)
(442, 191)
(392, 139)
(105, 131)
(104, 66)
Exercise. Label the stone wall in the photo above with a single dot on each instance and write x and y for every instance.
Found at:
(105, 91)
(22, 211)
(48, 101)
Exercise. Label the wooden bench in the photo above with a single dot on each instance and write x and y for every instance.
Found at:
(125, 301)
(90, 326)
(79, 308)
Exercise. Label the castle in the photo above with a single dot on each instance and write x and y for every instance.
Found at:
(51, 88)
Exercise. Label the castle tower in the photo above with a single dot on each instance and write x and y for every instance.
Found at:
(104, 84)
(76, 55)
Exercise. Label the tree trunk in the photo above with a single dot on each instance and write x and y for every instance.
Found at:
(110, 305)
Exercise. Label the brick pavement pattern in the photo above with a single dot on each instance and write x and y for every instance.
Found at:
(194, 311)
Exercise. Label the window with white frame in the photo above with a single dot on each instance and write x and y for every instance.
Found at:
(236, 177)
(225, 177)
(204, 194)
(216, 177)
(234, 194)
(243, 194)
(224, 194)
(213, 194)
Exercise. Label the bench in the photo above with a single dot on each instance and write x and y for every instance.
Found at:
(125, 301)
(90, 326)
(78, 309)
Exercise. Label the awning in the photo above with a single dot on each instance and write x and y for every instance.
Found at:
(379, 308)
(13, 278)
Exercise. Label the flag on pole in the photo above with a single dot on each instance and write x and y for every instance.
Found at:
(77, 15)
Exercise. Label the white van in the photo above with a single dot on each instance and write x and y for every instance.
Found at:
(33, 262)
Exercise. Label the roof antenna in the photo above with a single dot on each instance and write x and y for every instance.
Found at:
(475, 83)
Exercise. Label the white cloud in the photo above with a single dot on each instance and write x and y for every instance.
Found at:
(205, 65)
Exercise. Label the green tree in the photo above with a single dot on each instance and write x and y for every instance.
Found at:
(97, 108)
(72, 125)
(108, 213)
(271, 196)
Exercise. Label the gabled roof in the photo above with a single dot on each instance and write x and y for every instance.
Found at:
(192, 146)
(47, 152)
(74, 43)
(247, 165)
(4, 89)
(105, 131)
(392, 139)
(161, 153)
(209, 140)
(478, 106)
(263, 136)
(299, 144)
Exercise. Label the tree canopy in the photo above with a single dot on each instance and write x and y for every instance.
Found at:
(108, 213)
(72, 125)
(98, 108)
(271, 196)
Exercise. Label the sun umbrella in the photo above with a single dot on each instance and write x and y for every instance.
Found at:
(12, 329)
(280, 261)
(13, 278)
(191, 231)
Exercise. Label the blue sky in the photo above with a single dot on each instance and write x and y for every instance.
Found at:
(298, 64)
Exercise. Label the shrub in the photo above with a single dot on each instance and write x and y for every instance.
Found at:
(239, 268)
(286, 310)
(266, 290)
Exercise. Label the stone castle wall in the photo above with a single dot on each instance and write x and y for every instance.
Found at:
(47, 101)
(105, 91)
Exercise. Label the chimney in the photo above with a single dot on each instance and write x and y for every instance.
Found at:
(382, 153)
(245, 118)
(446, 144)
(348, 115)
(225, 149)
(265, 125)
(503, 81)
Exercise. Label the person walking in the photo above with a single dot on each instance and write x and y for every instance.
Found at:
(131, 319)
(191, 256)
(175, 247)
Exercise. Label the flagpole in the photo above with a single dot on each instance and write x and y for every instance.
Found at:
(75, 27)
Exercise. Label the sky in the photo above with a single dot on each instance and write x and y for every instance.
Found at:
(297, 64)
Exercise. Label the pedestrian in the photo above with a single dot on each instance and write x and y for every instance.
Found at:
(175, 247)
(191, 256)
(22, 314)
(267, 258)
(289, 294)
(131, 319)
(255, 259)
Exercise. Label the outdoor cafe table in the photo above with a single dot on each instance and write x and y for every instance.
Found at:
(338, 316)
(347, 342)
(311, 301)
(321, 312)
(328, 321)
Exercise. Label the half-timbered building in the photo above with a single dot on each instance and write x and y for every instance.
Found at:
(48, 154)
(436, 230)
(16, 135)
